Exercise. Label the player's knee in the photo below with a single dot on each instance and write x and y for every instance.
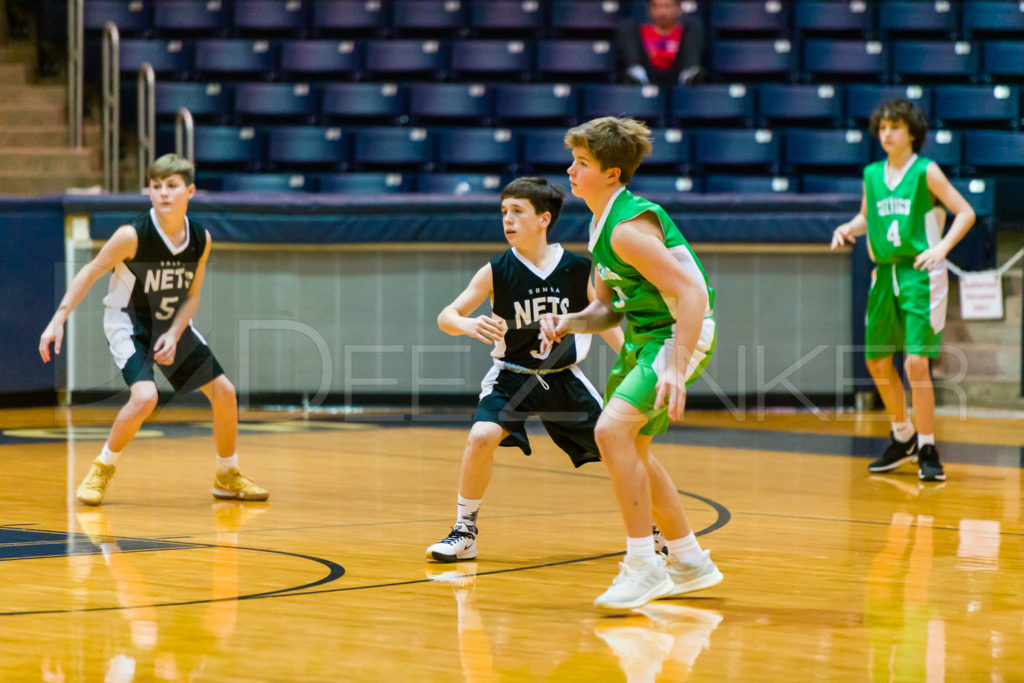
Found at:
(224, 390)
(484, 436)
(878, 366)
(917, 368)
(608, 434)
(144, 396)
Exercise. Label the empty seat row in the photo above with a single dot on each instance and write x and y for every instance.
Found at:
(539, 103)
(544, 60)
(532, 150)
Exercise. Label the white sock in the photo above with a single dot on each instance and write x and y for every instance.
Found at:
(925, 439)
(467, 512)
(225, 464)
(642, 548)
(686, 549)
(903, 430)
(107, 456)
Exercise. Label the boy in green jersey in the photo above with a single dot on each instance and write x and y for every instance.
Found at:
(909, 286)
(648, 274)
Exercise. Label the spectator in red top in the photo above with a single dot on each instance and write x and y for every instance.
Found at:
(666, 51)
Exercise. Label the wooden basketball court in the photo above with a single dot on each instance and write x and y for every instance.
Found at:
(830, 573)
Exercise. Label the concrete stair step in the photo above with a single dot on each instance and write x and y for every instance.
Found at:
(46, 136)
(21, 52)
(25, 184)
(30, 114)
(49, 160)
(13, 73)
(978, 361)
(46, 95)
(964, 395)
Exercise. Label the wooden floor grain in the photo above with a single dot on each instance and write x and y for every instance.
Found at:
(830, 573)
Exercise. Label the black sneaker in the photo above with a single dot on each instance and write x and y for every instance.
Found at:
(895, 455)
(929, 467)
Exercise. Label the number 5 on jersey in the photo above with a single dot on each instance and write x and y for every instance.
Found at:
(166, 311)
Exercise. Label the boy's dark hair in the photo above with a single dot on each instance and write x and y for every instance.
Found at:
(544, 196)
(905, 111)
(172, 164)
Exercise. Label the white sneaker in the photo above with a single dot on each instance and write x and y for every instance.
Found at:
(687, 578)
(637, 583)
(460, 544)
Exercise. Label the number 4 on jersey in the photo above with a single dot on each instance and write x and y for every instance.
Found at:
(893, 234)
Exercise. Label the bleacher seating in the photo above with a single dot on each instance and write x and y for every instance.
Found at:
(396, 92)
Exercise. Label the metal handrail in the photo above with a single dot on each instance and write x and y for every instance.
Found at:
(75, 75)
(111, 106)
(184, 135)
(147, 121)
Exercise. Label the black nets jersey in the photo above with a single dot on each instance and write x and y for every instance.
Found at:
(523, 293)
(153, 285)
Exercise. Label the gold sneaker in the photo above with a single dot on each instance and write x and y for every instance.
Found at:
(235, 485)
(92, 488)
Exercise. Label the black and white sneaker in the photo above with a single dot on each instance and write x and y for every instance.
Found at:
(460, 544)
(929, 467)
(895, 455)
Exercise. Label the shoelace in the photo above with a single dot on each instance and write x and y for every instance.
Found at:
(455, 535)
(103, 476)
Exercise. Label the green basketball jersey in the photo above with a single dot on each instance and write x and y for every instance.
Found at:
(645, 308)
(902, 221)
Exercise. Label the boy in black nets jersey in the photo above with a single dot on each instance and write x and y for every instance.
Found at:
(529, 279)
(158, 264)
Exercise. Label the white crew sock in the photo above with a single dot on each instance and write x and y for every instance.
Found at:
(686, 549)
(467, 512)
(107, 456)
(225, 464)
(642, 548)
(925, 439)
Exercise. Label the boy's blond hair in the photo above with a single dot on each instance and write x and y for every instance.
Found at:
(172, 164)
(614, 143)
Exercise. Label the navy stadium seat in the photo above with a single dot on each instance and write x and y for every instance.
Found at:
(451, 102)
(190, 17)
(993, 149)
(753, 58)
(671, 150)
(459, 183)
(854, 58)
(828, 17)
(536, 102)
(298, 146)
(201, 99)
(829, 184)
(800, 103)
(734, 16)
(715, 184)
(235, 58)
(861, 99)
(265, 182)
(392, 147)
(569, 17)
(228, 145)
(406, 58)
(712, 104)
(131, 18)
(579, 59)
(438, 18)
(648, 183)
(718, 147)
(366, 183)
(259, 17)
(912, 59)
(979, 192)
(321, 58)
(1003, 59)
(492, 59)
(977, 105)
(374, 102)
(349, 18)
(944, 147)
(544, 148)
(502, 17)
(913, 18)
(278, 100)
(992, 17)
(642, 102)
(477, 148)
(823, 148)
(165, 56)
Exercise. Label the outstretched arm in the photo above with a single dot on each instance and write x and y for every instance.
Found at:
(454, 319)
(963, 218)
(598, 316)
(119, 247)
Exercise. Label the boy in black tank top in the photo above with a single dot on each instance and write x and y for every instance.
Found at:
(159, 262)
(523, 283)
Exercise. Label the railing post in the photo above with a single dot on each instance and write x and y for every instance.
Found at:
(147, 121)
(111, 106)
(75, 58)
(184, 135)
